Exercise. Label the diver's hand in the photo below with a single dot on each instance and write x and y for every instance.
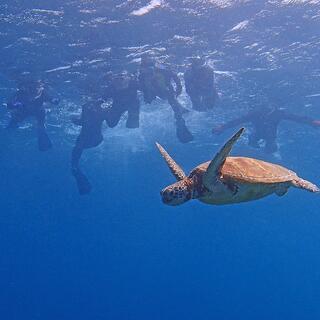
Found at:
(76, 120)
(13, 105)
(218, 130)
(315, 123)
(55, 101)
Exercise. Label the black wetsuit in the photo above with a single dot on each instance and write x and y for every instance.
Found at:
(30, 103)
(265, 126)
(90, 136)
(199, 82)
(123, 100)
(158, 83)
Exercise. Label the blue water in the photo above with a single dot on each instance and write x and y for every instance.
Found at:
(119, 253)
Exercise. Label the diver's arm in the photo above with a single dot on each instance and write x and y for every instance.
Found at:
(15, 102)
(301, 119)
(79, 119)
(108, 93)
(189, 82)
(231, 124)
(133, 115)
(76, 120)
(178, 84)
(134, 84)
(141, 82)
(209, 75)
(46, 97)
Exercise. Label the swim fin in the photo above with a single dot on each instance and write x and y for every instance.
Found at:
(183, 133)
(83, 184)
(44, 142)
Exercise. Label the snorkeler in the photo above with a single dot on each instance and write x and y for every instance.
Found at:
(265, 122)
(199, 82)
(27, 102)
(123, 90)
(90, 136)
(157, 82)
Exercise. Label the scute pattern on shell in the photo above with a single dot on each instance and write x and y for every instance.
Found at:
(248, 170)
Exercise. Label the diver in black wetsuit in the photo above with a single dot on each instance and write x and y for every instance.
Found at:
(265, 122)
(29, 102)
(123, 90)
(157, 82)
(90, 136)
(199, 82)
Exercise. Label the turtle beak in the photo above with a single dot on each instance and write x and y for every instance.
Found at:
(165, 196)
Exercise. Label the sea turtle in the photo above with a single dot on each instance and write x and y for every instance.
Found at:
(227, 180)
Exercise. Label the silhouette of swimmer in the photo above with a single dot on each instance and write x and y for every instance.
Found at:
(123, 90)
(199, 82)
(265, 122)
(90, 136)
(157, 82)
(27, 102)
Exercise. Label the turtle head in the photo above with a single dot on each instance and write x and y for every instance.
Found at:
(177, 193)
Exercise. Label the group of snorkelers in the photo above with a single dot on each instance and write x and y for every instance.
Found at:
(121, 90)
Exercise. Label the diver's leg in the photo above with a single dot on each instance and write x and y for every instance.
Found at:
(133, 115)
(114, 115)
(175, 105)
(76, 155)
(196, 102)
(209, 100)
(44, 142)
(183, 133)
(13, 123)
(83, 184)
(16, 118)
(271, 145)
(253, 140)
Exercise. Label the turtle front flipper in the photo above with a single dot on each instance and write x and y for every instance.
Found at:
(173, 166)
(212, 174)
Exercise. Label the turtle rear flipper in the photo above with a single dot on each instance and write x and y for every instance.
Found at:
(304, 184)
(212, 173)
(282, 189)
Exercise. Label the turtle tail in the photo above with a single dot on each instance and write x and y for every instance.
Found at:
(304, 184)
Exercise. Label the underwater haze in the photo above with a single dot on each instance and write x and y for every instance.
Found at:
(119, 253)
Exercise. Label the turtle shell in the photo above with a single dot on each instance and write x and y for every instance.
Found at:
(248, 170)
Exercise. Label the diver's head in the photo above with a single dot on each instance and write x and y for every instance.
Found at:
(268, 108)
(177, 193)
(147, 65)
(197, 62)
(31, 86)
(121, 80)
(147, 61)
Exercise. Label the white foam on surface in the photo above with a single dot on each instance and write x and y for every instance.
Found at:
(241, 25)
(154, 4)
(313, 95)
(288, 2)
(58, 69)
(52, 12)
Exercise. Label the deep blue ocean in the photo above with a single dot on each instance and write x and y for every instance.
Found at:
(120, 253)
